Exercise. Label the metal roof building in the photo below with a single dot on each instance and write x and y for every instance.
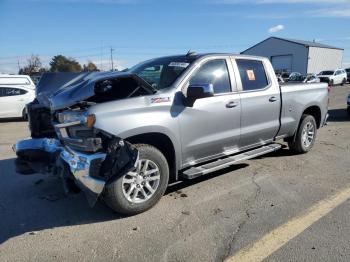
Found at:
(298, 56)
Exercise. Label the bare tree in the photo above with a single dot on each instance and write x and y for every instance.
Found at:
(33, 66)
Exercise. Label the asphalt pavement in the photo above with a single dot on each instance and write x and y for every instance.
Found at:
(211, 218)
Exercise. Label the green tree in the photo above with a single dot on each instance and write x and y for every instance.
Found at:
(33, 66)
(60, 63)
(90, 67)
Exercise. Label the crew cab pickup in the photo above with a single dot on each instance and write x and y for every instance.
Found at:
(124, 136)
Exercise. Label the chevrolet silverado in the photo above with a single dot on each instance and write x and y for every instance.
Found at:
(123, 137)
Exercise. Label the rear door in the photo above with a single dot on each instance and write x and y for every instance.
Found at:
(260, 101)
(211, 127)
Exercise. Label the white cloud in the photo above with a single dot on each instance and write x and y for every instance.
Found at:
(331, 12)
(276, 28)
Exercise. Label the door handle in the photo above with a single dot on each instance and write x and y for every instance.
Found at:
(231, 104)
(273, 99)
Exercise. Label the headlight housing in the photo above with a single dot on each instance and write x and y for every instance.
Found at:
(77, 117)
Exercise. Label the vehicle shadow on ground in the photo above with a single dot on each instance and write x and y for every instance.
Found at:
(338, 115)
(37, 202)
(9, 120)
(30, 204)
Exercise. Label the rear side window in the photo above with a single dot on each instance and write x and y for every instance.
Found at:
(252, 74)
(213, 72)
(6, 91)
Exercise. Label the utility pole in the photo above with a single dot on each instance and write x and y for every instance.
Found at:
(19, 68)
(112, 58)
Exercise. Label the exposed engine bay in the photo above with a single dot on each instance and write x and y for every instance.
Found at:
(65, 142)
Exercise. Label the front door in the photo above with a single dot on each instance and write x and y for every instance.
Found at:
(260, 103)
(211, 127)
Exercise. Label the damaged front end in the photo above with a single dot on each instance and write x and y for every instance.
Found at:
(65, 143)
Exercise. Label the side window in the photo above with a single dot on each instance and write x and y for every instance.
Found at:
(252, 74)
(7, 91)
(213, 72)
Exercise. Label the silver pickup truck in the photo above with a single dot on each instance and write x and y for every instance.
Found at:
(125, 136)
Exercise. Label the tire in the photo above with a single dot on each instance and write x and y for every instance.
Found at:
(348, 109)
(24, 114)
(116, 194)
(343, 82)
(303, 143)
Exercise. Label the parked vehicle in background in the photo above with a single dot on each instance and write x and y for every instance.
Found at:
(337, 77)
(15, 92)
(16, 80)
(348, 73)
(123, 136)
(280, 79)
(299, 78)
(312, 78)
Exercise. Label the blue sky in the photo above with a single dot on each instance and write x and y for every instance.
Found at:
(138, 30)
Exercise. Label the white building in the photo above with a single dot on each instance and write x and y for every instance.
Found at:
(298, 56)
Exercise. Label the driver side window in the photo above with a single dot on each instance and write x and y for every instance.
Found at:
(213, 72)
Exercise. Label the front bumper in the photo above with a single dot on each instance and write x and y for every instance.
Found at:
(44, 156)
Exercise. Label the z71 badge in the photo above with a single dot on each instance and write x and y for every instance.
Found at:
(160, 99)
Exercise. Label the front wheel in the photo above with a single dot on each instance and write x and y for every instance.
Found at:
(305, 136)
(343, 82)
(141, 188)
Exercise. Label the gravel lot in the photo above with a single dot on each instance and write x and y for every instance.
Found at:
(208, 219)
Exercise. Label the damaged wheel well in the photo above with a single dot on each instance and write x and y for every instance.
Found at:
(161, 142)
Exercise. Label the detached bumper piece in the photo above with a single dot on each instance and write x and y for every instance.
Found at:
(49, 156)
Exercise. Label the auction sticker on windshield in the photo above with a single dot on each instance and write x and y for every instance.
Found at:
(179, 64)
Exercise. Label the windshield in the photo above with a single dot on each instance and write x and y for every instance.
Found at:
(327, 73)
(162, 72)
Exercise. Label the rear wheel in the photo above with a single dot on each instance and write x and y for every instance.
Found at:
(141, 188)
(305, 136)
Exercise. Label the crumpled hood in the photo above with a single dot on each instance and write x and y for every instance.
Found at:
(61, 90)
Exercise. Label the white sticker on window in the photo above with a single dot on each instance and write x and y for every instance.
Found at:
(251, 75)
(179, 64)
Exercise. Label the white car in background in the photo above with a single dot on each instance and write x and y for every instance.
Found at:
(337, 77)
(15, 92)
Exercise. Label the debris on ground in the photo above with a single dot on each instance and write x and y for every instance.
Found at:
(187, 213)
(217, 211)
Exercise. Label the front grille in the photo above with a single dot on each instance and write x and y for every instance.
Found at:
(40, 121)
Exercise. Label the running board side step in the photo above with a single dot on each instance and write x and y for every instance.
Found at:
(228, 161)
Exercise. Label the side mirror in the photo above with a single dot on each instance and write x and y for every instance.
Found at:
(200, 91)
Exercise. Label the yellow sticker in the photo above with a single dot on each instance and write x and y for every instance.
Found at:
(251, 75)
